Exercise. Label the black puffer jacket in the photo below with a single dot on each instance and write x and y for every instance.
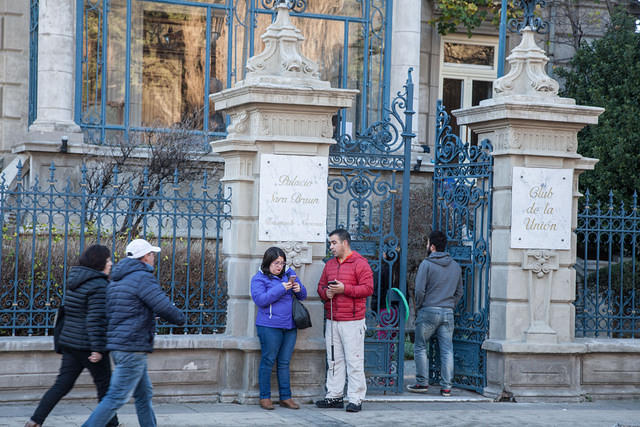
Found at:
(85, 322)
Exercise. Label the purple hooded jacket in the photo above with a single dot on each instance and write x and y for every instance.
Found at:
(273, 301)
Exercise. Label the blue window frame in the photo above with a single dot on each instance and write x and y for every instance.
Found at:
(34, 10)
(151, 64)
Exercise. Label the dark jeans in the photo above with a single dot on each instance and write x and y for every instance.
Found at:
(73, 362)
(276, 345)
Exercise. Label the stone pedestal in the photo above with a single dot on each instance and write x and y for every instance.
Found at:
(282, 107)
(531, 350)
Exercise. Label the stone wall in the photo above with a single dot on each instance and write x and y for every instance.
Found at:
(183, 368)
(14, 72)
(581, 370)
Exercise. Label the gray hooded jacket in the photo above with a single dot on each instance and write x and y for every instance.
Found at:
(439, 282)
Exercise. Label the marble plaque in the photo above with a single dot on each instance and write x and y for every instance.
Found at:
(293, 198)
(541, 208)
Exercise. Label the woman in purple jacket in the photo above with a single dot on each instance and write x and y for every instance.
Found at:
(273, 289)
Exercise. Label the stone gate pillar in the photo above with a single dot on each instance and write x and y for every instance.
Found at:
(531, 350)
(281, 120)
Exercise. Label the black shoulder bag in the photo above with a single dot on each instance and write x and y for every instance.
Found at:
(300, 314)
(58, 321)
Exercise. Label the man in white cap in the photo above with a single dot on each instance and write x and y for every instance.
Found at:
(134, 299)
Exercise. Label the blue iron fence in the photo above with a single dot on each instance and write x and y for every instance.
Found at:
(369, 196)
(144, 64)
(462, 204)
(608, 270)
(44, 229)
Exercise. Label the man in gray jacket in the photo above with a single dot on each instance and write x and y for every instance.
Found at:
(438, 290)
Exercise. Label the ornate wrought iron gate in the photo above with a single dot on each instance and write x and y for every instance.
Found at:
(462, 181)
(365, 197)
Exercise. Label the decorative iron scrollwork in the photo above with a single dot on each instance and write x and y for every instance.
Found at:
(529, 19)
(298, 6)
(462, 210)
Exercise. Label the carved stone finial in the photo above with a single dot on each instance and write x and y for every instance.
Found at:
(281, 61)
(527, 75)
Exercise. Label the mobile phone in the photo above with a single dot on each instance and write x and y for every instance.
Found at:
(292, 278)
(331, 282)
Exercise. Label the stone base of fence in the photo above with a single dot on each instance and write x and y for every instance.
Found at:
(585, 369)
(183, 368)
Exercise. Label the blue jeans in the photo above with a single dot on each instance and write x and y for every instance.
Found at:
(276, 345)
(129, 378)
(440, 321)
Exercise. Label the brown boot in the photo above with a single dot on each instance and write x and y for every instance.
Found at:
(289, 403)
(31, 423)
(266, 404)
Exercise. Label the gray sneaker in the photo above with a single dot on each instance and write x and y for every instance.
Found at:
(352, 407)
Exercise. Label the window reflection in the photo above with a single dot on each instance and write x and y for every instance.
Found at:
(173, 60)
(164, 83)
(461, 53)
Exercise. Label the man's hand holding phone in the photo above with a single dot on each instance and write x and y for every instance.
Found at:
(335, 287)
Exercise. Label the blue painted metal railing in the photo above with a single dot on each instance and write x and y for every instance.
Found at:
(369, 196)
(462, 208)
(608, 270)
(112, 39)
(34, 10)
(45, 227)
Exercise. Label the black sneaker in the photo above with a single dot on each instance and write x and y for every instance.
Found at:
(418, 388)
(335, 402)
(352, 407)
(446, 392)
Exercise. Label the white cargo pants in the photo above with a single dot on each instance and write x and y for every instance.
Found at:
(348, 354)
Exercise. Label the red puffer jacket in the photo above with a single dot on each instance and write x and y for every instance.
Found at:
(357, 277)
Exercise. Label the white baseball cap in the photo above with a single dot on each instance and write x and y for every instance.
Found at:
(139, 248)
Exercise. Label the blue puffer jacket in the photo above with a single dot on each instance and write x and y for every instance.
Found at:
(134, 298)
(273, 301)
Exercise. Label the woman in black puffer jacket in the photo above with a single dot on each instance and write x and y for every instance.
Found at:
(84, 331)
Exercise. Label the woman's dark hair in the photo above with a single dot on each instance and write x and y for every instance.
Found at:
(95, 256)
(271, 255)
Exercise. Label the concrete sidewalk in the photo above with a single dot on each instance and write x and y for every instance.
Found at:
(451, 413)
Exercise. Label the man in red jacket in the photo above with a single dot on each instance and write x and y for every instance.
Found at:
(345, 284)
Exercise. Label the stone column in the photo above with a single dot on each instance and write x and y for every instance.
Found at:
(281, 108)
(56, 63)
(531, 351)
(405, 52)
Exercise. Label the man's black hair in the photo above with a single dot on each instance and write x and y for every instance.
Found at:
(439, 239)
(271, 255)
(342, 235)
(95, 256)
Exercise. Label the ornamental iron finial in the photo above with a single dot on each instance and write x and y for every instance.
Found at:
(529, 18)
(293, 5)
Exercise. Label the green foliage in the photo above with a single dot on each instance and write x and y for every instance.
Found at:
(630, 279)
(469, 14)
(605, 73)
(408, 348)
